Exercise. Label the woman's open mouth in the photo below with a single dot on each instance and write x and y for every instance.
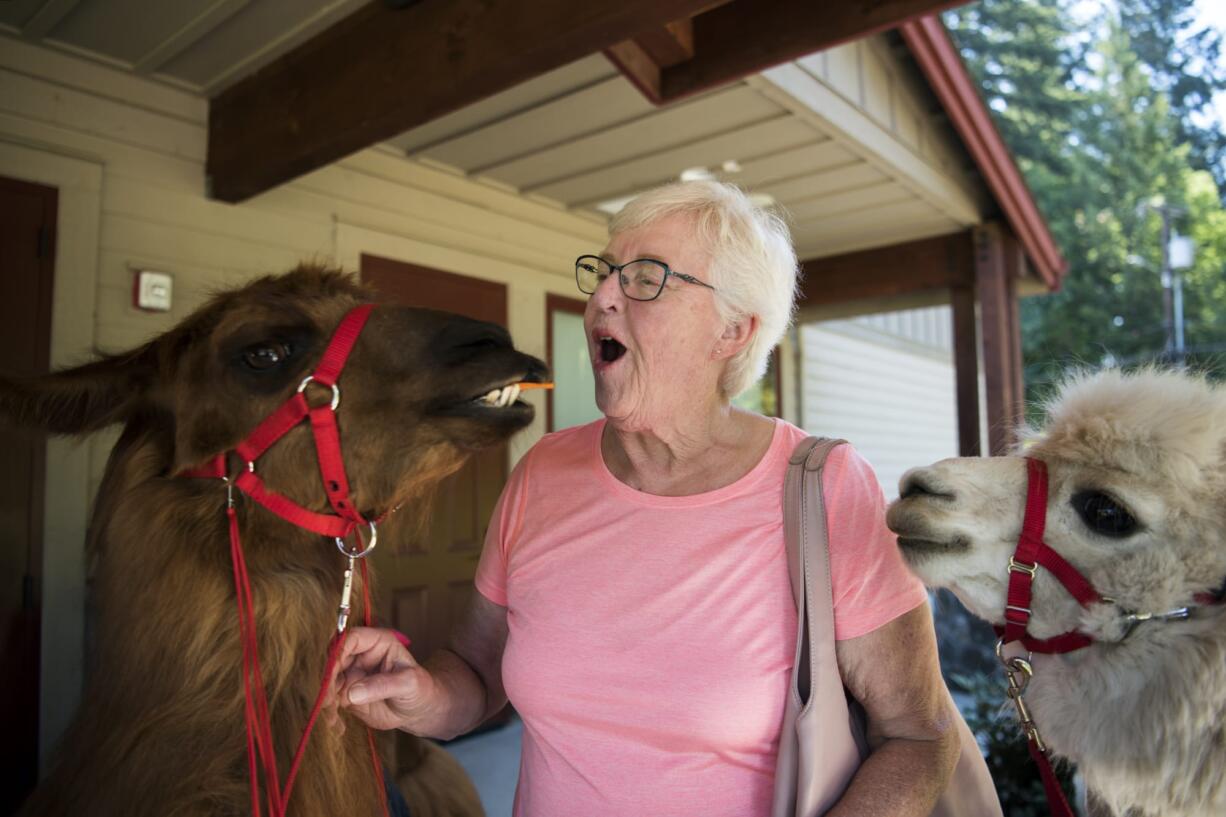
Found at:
(607, 348)
(610, 349)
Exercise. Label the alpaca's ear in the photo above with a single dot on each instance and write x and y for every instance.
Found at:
(86, 398)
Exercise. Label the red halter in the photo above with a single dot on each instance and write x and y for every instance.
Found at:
(1031, 554)
(260, 750)
(327, 442)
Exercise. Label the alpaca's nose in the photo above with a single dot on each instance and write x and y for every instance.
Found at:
(922, 482)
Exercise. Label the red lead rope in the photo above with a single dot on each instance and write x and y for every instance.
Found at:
(261, 751)
(258, 723)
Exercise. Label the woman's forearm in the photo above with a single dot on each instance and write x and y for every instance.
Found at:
(454, 701)
(901, 778)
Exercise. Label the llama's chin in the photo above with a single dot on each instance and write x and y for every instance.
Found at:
(932, 559)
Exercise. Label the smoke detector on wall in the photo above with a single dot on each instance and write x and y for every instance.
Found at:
(152, 290)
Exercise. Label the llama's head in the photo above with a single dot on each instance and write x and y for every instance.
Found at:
(1136, 503)
(406, 416)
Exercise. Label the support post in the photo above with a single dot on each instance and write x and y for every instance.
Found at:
(966, 369)
(999, 335)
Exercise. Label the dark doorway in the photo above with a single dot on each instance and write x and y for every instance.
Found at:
(425, 583)
(27, 270)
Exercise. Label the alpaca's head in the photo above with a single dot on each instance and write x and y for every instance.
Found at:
(1137, 503)
(406, 416)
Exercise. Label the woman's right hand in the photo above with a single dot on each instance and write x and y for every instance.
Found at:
(381, 683)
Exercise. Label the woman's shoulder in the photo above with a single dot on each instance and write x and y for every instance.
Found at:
(792, 435)
(567, 439)
(844, 461)
(564, 449)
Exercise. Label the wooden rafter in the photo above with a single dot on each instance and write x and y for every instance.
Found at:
(382, 71)
(643, 58)
(744, 37)
(889, 272)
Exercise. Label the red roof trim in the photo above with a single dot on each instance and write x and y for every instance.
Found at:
(941, 64)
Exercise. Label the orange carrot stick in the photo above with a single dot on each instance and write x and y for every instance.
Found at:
(526, 386)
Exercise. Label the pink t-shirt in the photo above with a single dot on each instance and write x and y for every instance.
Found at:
(651, 638)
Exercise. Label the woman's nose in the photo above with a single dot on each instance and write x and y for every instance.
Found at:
(608, 293)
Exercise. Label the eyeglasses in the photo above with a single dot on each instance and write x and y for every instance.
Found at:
(641, 280)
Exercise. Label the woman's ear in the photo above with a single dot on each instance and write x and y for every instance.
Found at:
(735, 337)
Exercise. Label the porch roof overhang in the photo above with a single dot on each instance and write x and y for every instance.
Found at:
(294, 86)
(937, 57)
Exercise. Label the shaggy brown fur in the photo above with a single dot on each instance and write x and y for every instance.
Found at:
(160, 730)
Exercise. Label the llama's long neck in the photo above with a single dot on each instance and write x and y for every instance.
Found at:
(166, 692)
(1142, 718)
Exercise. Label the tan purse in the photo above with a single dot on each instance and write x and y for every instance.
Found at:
(823, 738)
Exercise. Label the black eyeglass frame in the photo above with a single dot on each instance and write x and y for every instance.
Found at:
(621, 279)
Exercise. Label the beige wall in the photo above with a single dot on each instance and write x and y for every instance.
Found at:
(888, 389)
(128, 158)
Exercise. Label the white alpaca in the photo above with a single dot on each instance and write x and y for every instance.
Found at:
(1137, 504)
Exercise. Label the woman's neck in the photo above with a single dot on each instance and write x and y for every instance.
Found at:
(691, 455)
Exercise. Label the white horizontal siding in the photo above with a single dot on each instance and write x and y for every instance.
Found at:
(892, 399)
(148, 209)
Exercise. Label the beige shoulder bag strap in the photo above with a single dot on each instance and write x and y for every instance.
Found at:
(831, 756)
(822, 742)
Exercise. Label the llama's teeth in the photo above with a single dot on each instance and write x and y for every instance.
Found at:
(514, 394)
(491, 398)
(504, 399)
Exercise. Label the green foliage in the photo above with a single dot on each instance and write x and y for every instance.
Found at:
(1100, 114)
(1185, 63)
(1013, 771)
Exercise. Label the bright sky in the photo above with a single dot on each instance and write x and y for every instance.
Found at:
(1213, 13)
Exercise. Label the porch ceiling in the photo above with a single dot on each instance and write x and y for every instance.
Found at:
(201, 46)
(582, 137)
(850, 142)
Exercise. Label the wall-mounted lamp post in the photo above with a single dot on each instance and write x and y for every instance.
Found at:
(1178, 253)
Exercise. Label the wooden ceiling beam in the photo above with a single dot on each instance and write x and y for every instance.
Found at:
(889, 272)
(744, 37)
(643, 58)
(382, 71)
(669, 44)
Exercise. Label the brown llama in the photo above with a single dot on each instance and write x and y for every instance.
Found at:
(161, 726)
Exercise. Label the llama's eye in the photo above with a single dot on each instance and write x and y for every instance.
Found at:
(1103, 514)
(264, 356)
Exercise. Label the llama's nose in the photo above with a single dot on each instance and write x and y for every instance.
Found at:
(538, 372)
(922, 482)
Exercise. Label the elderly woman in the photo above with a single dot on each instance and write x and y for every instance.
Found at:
(633, 601)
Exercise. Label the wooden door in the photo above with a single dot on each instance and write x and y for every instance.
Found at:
(424, 583)
(27, 268)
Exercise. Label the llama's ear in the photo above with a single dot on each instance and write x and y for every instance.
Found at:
(83, 399)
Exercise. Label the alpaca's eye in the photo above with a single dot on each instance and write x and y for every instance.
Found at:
(264, 356)
(1104, 514)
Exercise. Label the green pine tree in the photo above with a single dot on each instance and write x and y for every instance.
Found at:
(1185, 62)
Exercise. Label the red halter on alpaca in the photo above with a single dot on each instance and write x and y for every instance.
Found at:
(345, 521)
(1031, 554)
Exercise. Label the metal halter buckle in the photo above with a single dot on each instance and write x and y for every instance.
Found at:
(1022, 567)
(336, 390)
(362, 554)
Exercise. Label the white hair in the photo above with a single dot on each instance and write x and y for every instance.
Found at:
(752, 263)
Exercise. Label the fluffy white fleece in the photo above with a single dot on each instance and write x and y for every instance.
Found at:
(1142, 715)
